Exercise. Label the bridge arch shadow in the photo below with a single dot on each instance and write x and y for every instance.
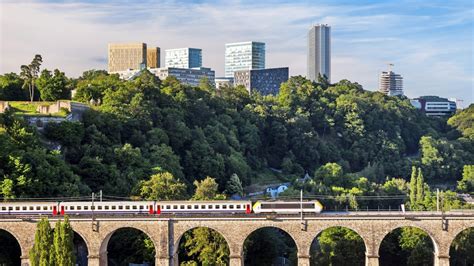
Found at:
(410, 245)
(269, 245)
(462, 247)
(330, 246)
(127, 245)
(10, 248)
(219, 248)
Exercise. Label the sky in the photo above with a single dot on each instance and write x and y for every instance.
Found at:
(430, 43)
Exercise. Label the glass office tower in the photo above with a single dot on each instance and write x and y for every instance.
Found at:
(183, 58)
(244, 56)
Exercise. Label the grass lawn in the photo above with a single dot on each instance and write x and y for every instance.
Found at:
(29, 109)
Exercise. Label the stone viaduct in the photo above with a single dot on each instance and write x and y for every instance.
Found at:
(166, 232)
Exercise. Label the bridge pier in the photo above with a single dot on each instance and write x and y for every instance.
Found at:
(162, 261)
(371, 260)
(303, 259)
(441, 260)
(93, 260)
(235, 260)
(25, 261)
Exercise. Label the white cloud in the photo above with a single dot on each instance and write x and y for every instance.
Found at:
(73, 36)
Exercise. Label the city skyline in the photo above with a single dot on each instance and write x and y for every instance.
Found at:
(429, 43)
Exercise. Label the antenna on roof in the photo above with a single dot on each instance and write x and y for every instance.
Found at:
(390, 65)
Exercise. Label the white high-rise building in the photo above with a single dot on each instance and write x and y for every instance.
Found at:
(319, 52)
(244, 56)
(391, 83)
(183, 58)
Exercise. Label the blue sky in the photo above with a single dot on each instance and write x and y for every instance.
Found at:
(430, 42)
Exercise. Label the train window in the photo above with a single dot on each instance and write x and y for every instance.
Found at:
(86, 207)
(141, 207)
(24, 208)
(106, 207)
(196, 206)
(181, 207)
(134, 207)
(237, 206)
(92, 207)
(168, 207)
(175, 207)
(79, 208)
(224, 206)
(38, 208)
(120, 207)
(45, 208)
(189, 207)
(99, 207)
(203, 207)
(209, 206)
(218, 206)
(10, 208)
(127, 207)
(4, 208)
(114, 207)
(72, 208)
(17, 208)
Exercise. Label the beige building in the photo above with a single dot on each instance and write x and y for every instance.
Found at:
(153, 57)
(123, 56)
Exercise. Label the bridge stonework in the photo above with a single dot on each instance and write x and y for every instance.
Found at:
(166, 233)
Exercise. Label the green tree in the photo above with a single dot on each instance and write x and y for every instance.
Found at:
(234, 186)
(162, 186)
(207, 189)
(54, 86)
(331, 174)
(11, 88)
(63, 248)
(40, 254)
(29, 74)
(420, 188)
(466, 184)
(413, 186)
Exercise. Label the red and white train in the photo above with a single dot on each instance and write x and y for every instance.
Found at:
(157, 207)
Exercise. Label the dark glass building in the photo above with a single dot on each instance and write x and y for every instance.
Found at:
(265, 81)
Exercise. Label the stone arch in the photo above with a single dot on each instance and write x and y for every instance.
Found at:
(23, 247)
(105, 240)
(283, 228)
(85, 240)
(180, 235)
(351, 228)
(389, 230)
(455, 234)
(23, 252)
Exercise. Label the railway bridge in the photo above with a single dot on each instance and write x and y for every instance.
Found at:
(166, 232)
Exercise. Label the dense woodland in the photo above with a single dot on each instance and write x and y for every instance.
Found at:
(154, 139)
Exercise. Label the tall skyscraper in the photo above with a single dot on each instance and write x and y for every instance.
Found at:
(244, 56)
(319, 52)
(391, 83)
(153, 57)
(183, 58)
(123, 56)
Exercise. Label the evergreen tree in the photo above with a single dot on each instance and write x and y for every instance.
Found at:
(419, 188)
(40, 253)
(63, 243)
(413, 188)
(234, 186)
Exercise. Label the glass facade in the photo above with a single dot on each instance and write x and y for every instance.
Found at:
(183, 58)
(188, 76)
(244, 56)
(319, 52)
(264, 81)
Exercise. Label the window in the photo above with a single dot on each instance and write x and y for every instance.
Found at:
(134, 207)
(224, 206)
(79, 208)
(142, 207)
(38, 208)
(189, 207)
(238, 206)
(231, 206)
(218, 207)
(92, 207)
(24, 208)
(114, 207)
(181, 207)
(203, 207)
(45, 208)
(72, 208)
(168, 207)
(10, 208)
(120, 207)
(209, 207)
(127, 207)
(175, 207)
(106, 207)
(86, 207)
(4, 208)
(99, 207)
(196, 207)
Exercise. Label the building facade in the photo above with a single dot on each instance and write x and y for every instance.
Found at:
(153, 57)
(244, 56)
(183, 58)
(188, 76)
(123, 56)
(391, 83)
(223, 81)
(434, 105)
(319, 52)
(264, 81)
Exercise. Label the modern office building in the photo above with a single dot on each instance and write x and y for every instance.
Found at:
(153, 57)
(244, 56)
(319, 52)
(434, 105)
(265, 81)
(391, 83)
(123, 56)
(223, 81)
(188, 76)
(183, 58)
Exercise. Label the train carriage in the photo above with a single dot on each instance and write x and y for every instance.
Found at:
(287, 207)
